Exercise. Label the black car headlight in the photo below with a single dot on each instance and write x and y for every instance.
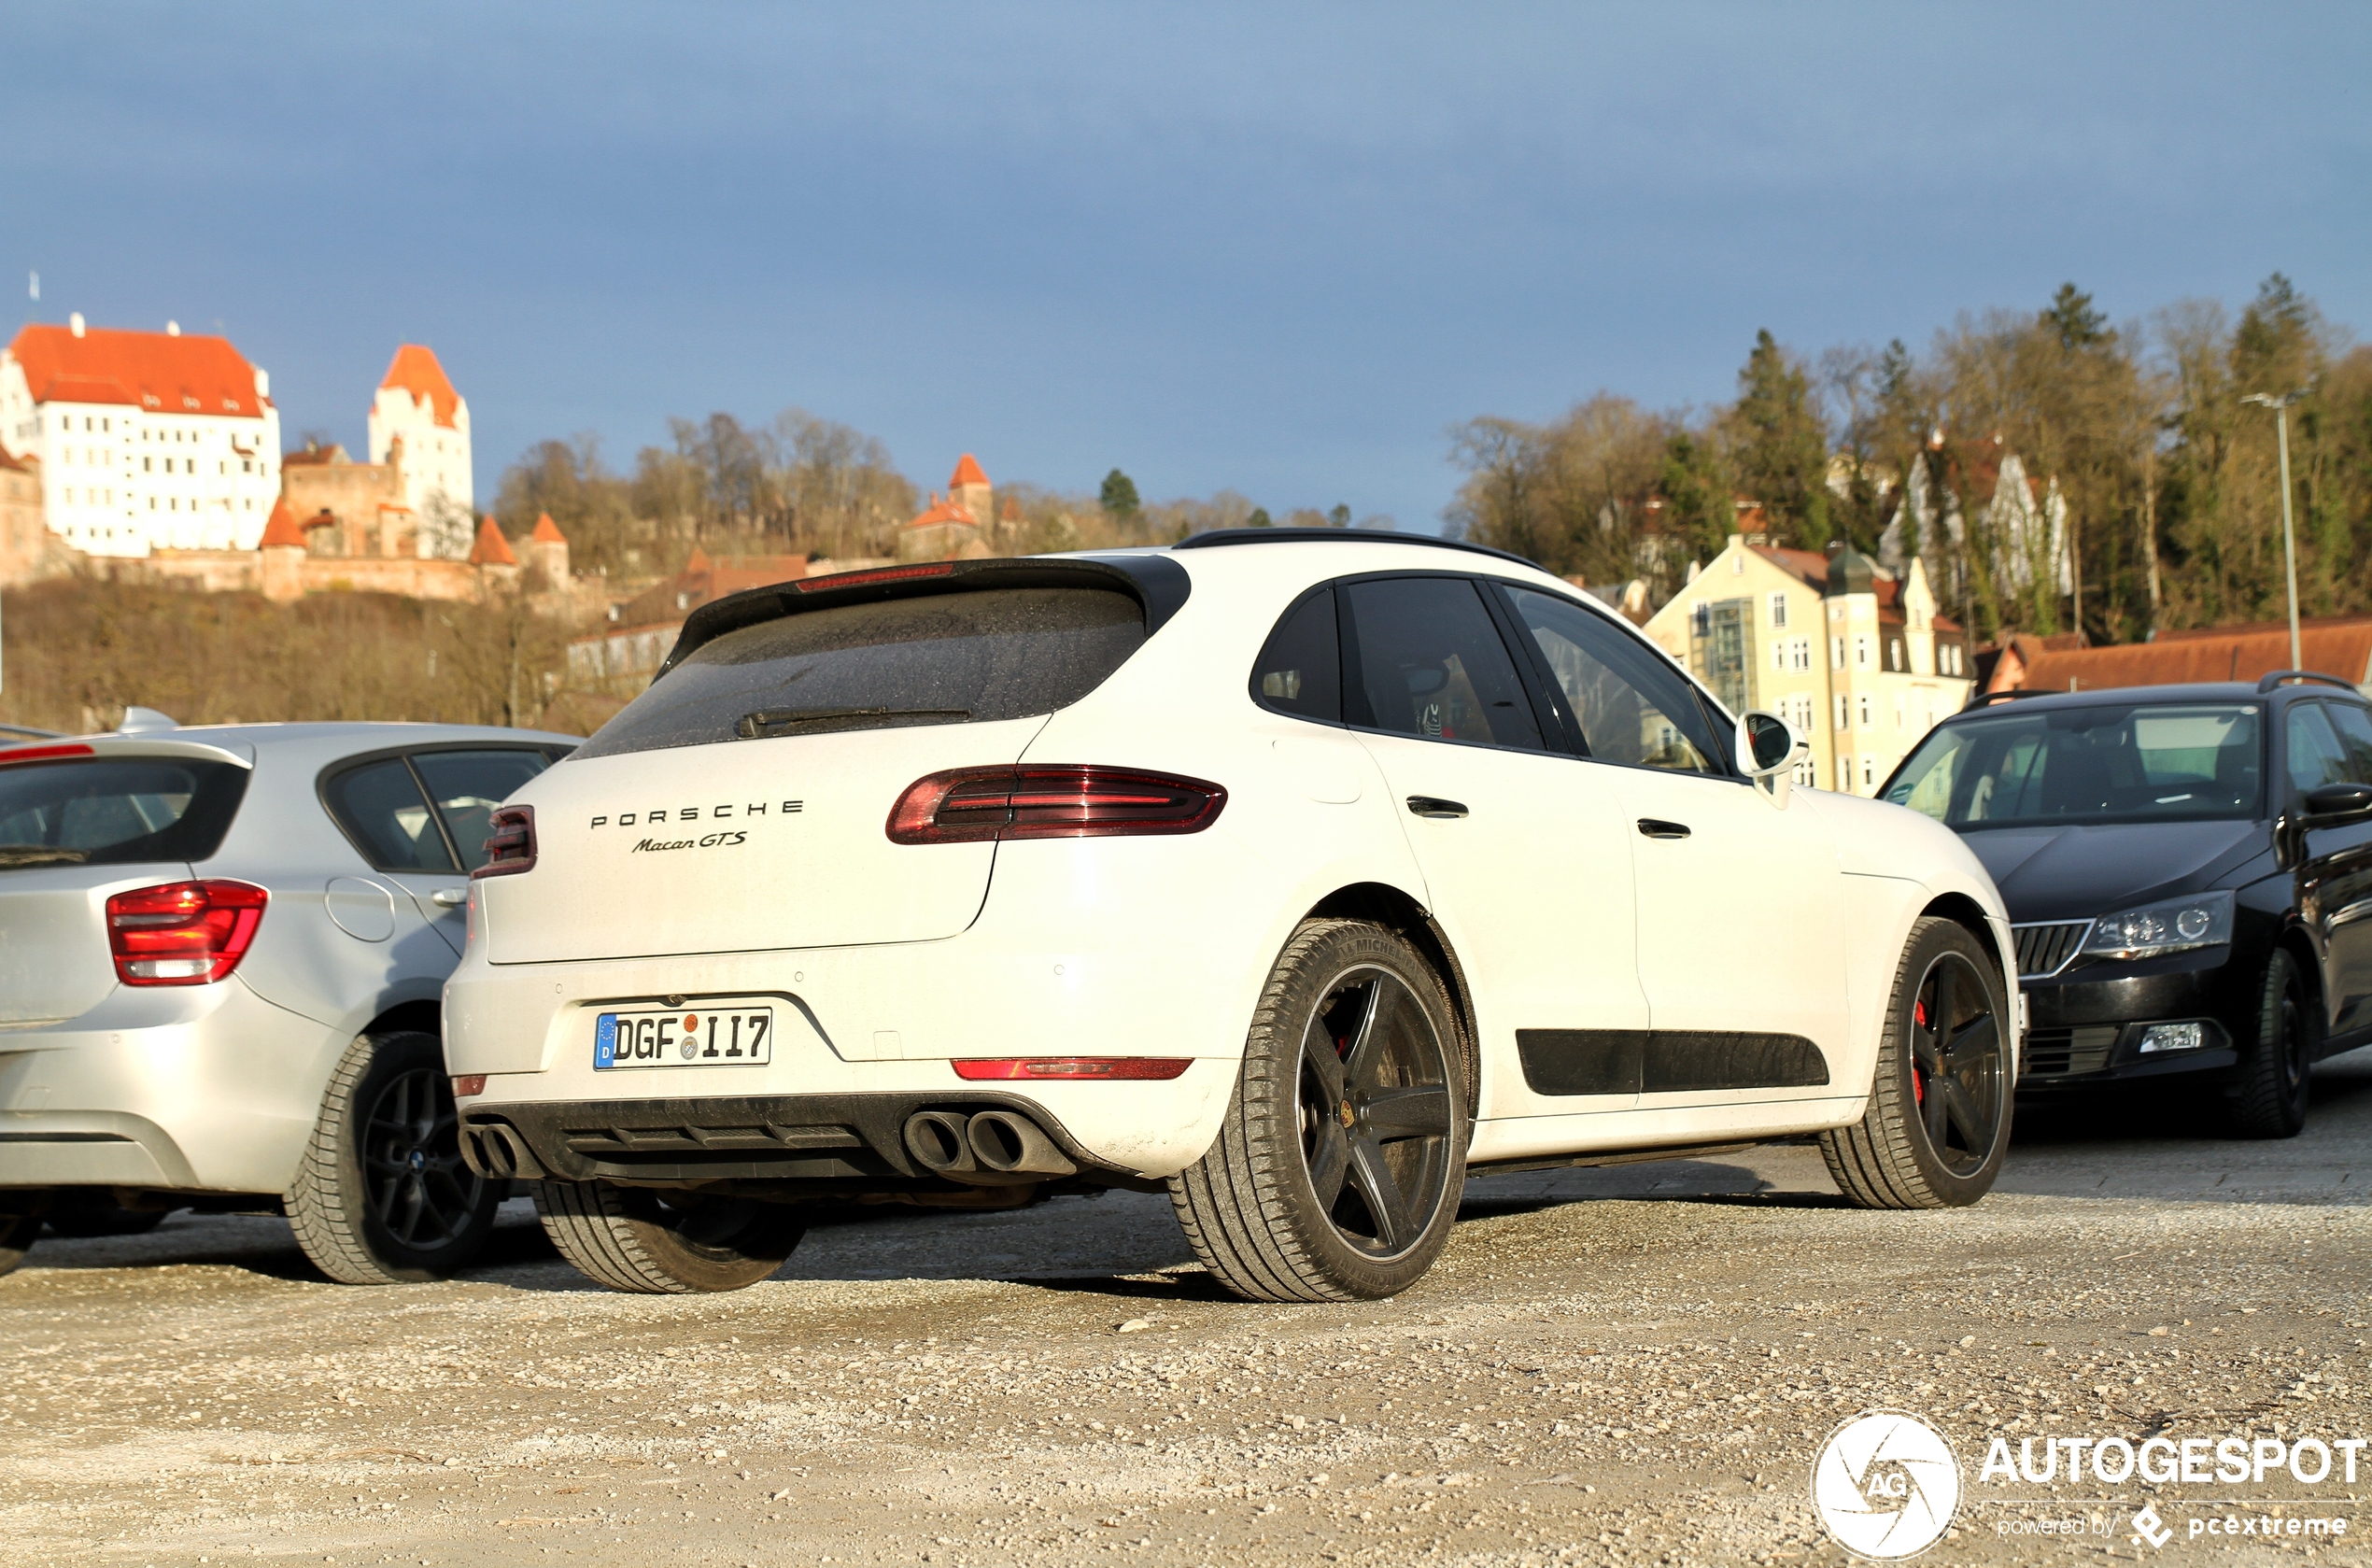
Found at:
(2174, 925)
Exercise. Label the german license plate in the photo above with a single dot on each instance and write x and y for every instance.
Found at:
(684, 1038)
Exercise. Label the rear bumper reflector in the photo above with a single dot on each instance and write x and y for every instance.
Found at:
(1042, 1067)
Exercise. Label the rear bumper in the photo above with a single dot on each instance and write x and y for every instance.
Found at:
(190, 1088)
(809, 1145)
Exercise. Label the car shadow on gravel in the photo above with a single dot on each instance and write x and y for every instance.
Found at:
(260, 1245)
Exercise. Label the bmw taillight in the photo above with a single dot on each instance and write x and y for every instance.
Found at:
(967, 805)
(510, 844)
(183, 933)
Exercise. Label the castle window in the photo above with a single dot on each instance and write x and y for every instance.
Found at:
(1778, 610)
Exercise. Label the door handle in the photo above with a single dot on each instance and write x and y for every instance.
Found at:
(1656, 827)
(1431, 806)
(450, 898)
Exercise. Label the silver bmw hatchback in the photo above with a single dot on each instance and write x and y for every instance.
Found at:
(220, 954)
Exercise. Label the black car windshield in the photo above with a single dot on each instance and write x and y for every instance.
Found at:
(2136, 762)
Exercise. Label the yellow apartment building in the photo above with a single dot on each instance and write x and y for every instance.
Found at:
(1857, 658)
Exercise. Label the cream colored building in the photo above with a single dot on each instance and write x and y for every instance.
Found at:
(1855, 658)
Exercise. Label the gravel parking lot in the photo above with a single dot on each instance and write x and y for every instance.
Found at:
(1628, 1364)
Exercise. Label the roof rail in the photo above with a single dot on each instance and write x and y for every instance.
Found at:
(1213, 538)
(2007, 694)
(2274, 678)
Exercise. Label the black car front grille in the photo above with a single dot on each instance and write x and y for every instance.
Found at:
(2067, 1053)
(2044, 950)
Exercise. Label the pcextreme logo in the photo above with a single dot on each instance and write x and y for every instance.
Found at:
(1886, 1485)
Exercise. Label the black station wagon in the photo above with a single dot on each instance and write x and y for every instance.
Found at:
(2189, 870)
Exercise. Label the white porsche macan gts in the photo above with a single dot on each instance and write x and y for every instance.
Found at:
(1299, 873)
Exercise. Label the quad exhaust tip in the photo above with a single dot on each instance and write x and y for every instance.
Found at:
(990, 1148)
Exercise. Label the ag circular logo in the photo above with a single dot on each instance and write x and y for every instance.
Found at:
(1886, 1485)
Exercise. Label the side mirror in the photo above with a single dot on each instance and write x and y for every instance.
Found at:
(2336, 802)
(1768, 752)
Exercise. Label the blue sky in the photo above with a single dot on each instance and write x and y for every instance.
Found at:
(1273, 247)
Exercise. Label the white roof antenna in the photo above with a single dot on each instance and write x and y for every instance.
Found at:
(144, 721)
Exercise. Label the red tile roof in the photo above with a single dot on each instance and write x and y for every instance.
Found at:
(155, 371)
(945, 512)
(547, 531)
(282, 529)
(967, 471)
(2337, 646)
(16, 465)
(491, 548)
(1806, 566)
(414, 370)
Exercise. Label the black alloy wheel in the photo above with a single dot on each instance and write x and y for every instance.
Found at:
(1336, 1171)
(1936, 1126)
(417, 1185)
(1376, 1114)
(382, 1196)
(1958, 1076)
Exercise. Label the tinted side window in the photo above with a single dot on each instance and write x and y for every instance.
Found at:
(466, 786)
(380, 806)
(2316, 756)
(110, 813)
(1430, 662)
(2355, 732)
(1300, 672)
(1631, 706)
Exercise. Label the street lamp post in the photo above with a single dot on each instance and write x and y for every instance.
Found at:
(2280, 407)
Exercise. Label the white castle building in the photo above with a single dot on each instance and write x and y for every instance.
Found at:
(417, 404)
(144, 439)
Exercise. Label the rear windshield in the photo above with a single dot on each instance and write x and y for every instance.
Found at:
(110, 812)
(2152, 762)
(946, 658)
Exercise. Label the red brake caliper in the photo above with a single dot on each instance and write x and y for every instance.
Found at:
(1918, 1079)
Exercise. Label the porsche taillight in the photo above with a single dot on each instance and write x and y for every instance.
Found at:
(968, 805)
(183, 933)
(509, 842)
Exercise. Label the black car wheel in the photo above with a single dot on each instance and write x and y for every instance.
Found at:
(1336, 1174)
(383, 1196)
(2270, 1101)
(635, 1239)
(1938, 1122)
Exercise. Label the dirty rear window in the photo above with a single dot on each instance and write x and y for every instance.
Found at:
(107, 812)
(968, 658)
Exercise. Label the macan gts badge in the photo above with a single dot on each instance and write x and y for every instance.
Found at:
(725, 837)
(1296, 875)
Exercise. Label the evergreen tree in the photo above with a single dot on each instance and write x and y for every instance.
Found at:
(1339, 517)
(2072, 317)
(1119, 495)
(1779, 449)
(1259, 518)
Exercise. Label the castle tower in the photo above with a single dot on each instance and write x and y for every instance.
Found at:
(969, 488)
(417, 404)
(547, 554)
(283, 548)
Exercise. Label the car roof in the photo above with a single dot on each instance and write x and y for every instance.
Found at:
(358, 734)
(1220, 538)
(2128, 697)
